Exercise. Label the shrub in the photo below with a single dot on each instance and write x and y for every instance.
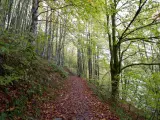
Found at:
(59, 70)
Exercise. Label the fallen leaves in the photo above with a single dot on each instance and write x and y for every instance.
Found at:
(76, 102)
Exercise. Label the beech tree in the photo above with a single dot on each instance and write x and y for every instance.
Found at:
(118, 33)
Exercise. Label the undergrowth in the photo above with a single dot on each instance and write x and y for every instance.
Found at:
(23, 75)
(105, 95)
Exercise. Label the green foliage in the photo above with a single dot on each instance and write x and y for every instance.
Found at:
(20, 107)
(100, 89)
(120, 112)
(3, 116)
(142, 91)
(24, 69)
(18, 57)
(34, 89)
(8, 79)
(60, 70)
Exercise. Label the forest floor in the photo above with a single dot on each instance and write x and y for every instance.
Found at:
(76, 102)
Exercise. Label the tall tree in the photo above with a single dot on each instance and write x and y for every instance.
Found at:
(34, 23)
(115, 41)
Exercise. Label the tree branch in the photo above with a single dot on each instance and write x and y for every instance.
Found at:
(54, 9)
(46, 20)
(143, 39)
(133, 19)
(150, 24)
(124, 52)
(136, 64)
(129, 56)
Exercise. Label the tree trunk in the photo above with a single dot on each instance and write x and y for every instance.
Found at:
(96, 70)
(49, 54)
(114, 61)
(35, 5)
(79, 63)
(115, 64)
(9, 13)
(115, 83)
(56, 44)
(59, 44)
(89, 57)
(63, 41)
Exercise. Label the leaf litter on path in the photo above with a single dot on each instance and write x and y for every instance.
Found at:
(76, 102)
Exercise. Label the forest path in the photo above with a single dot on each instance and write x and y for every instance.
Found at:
(77, 102)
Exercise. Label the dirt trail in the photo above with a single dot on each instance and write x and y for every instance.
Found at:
(77, 103)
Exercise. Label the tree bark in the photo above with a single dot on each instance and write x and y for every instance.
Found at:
(49, 54)
(35, 5)
(114, 61)
(89, 57)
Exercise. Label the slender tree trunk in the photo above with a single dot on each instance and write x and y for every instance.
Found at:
(63, 40)
(56, 45)
(59, 44)
(96, 70)
(49, 54)
(35, 5)
(79, 60)
(9, 13)
(89, 57)
(3, 15)
(44, 55)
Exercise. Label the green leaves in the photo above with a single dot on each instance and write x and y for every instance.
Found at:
(18, 57)
(3, 116)
(4, 47)
(60, 70)
(7, 67)
(8, 79)
(4, 50)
